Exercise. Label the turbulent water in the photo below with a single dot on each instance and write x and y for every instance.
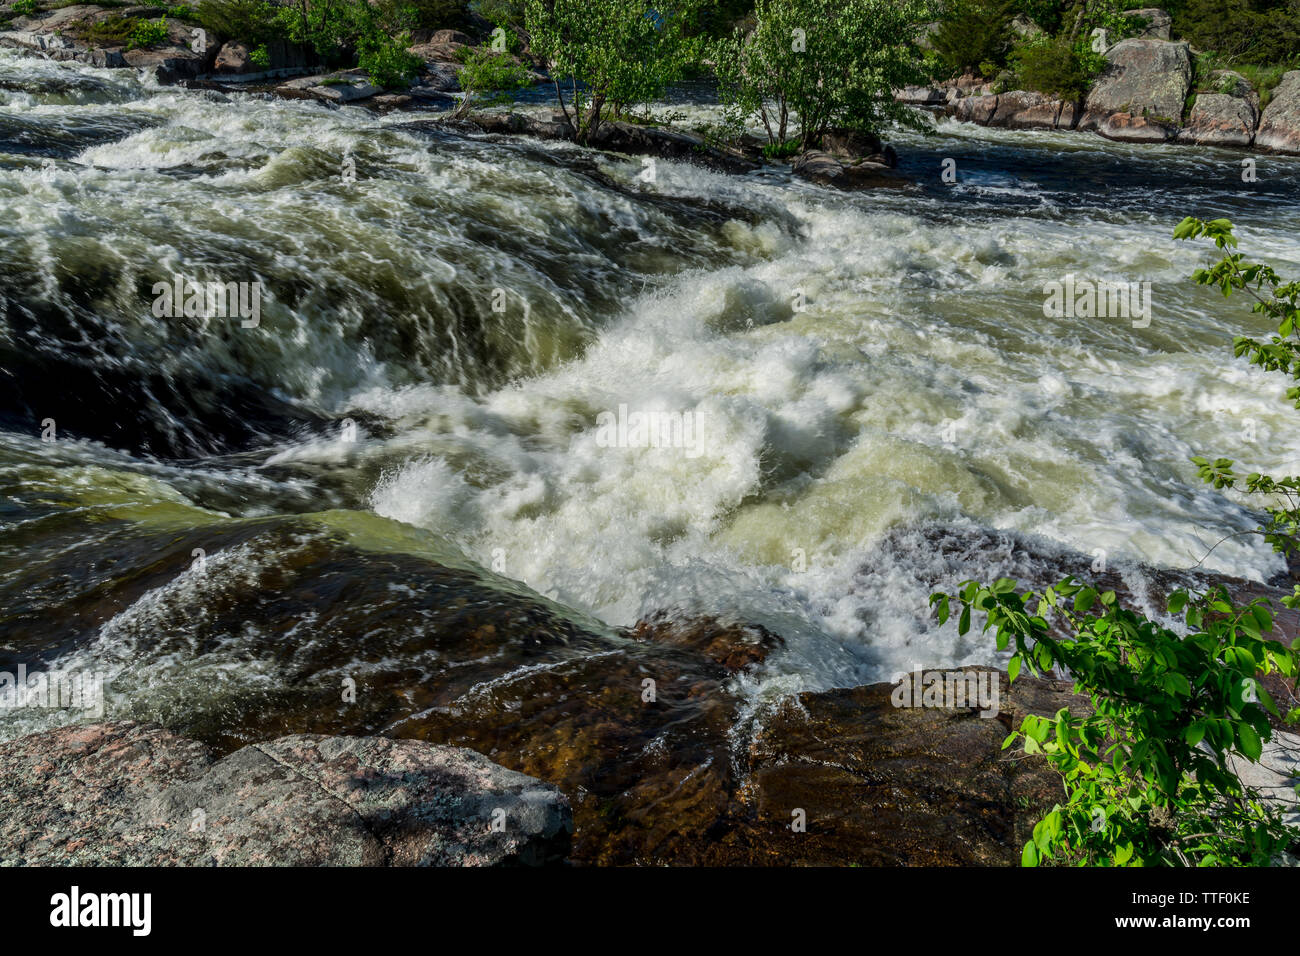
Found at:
(439, 338)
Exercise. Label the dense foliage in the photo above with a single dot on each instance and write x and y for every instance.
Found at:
(613, 53)
(1241, 31)
(490, 76)
(812, 65)
(974, 32)
(1149, 771)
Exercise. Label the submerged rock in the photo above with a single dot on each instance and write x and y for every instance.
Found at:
(288, 632)
(619, 137)
(826, 170)
(135, 795)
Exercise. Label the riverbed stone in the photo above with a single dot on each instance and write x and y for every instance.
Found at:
(1024, 109)
(133, 794)
(1223, 118)
(234, 57)
(975, 109)
(1279, 127)
(827, 170)
(170, 63)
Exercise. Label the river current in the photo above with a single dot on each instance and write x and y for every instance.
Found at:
(448, 323)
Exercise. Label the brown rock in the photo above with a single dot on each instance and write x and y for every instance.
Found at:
(234, 57)
(975, 109)
(734, 646)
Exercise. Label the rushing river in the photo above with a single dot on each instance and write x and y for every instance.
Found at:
(444, 320)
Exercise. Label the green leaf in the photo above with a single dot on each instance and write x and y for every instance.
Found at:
(1251, 745)
(1030, 855)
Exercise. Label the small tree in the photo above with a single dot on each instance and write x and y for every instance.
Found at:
(818, 64)
(490, 76)
(614, 53)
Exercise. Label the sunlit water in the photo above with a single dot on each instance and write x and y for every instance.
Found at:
(438, 338)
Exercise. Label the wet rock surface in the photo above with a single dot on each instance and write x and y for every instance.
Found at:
(827, 170)
(131, 794)
(650, 733)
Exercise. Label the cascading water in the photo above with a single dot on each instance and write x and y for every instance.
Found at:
(441, 334)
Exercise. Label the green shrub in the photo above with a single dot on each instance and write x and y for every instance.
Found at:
(975, 35)
(249, 21)
(489, 77)
(1056, 67)
(1241, 31)
(1141, 790)
(260, 56)
(109, 32)
(25, 8)
(438, 14)
(791, 147)
(387, 61)
(613, 53)
(501, 13)
(852, 54)
(1047, 15)
(147, 33)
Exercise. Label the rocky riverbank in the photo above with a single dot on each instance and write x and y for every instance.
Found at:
(1146, 94)
(647, 733)
(848, 161)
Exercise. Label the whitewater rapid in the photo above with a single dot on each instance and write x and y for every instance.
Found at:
(441, 336)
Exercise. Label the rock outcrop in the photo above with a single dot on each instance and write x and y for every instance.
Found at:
(1139, 96)
(55, 34)
(345, 86)
(1158, 23)
(1142, 96)
(621, 137)
(135, 795)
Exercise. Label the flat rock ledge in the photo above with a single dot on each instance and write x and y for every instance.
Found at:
(124, 793)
